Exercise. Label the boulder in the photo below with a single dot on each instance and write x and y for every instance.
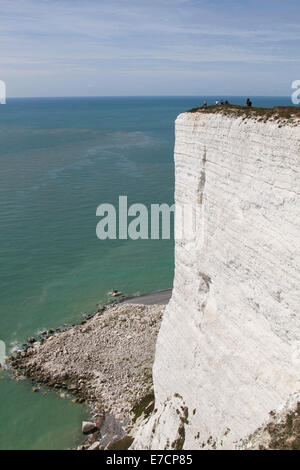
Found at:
(89, 428)
(114, 293)
(31, 340)
(94, 446)
(121, 444)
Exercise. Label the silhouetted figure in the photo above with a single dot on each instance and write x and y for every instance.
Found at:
(249, 102)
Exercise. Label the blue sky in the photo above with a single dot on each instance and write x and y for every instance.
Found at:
(158, 47)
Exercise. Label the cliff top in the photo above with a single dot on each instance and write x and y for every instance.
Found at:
(278, 113)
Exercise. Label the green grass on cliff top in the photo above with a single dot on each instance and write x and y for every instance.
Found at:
(277, 113)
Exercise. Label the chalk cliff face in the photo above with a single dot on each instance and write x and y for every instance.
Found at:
(229, 346)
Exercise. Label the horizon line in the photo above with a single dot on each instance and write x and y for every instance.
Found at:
(146, 96)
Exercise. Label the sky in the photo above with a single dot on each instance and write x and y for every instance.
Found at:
(142, 47)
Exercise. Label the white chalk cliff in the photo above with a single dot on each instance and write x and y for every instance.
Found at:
(229, 346)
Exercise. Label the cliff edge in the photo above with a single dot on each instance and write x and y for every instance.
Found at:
(228, 349)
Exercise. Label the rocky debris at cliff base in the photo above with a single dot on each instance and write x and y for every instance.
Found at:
(106, 362)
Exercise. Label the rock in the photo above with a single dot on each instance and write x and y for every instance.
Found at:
(115, 293)
(36, 389)
(89, 428)
(72, 388)
(121, 444)
(99, 421)
(94, 446)
(31, 340)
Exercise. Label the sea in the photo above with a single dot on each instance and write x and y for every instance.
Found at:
(60, 158)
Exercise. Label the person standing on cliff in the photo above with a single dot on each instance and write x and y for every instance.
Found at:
(249, 102)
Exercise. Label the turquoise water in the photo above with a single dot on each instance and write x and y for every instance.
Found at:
(60, 159)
